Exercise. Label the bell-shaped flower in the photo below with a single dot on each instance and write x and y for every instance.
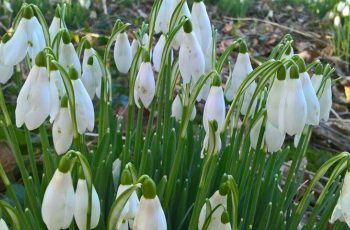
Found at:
(91, 77)
(55, 25)
(3, 225)
(185, 11)
(295, 110)
(217, 201)
(341, 211)
(145, 85)
(56, 77)
(163, 17)
(212, 141)
(122, 53)
(132, 205)
(81, 204)
(58, 203)
(326, 101)
(201, 25)
(274, 138)
(255, 133)
(214, 108)
(54, 97)
(191, 58)
(116, 166)
(84, 108)
(6, 71)
(177, 108)
(62, 129)
(158, 52)
(67, 55)
(240, 71)
(34, 100)
(150, 214)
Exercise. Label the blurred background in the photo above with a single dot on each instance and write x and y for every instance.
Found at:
(320, 28)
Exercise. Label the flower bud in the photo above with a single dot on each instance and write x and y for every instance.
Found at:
(122, 53)
(145, 85)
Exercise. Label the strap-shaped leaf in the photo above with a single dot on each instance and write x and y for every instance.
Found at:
(12, 212)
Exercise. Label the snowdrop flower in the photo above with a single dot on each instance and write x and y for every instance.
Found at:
(58, 203)
(135, 45)
(150, 214)
(164, 16)
(340, 6)
(85, 3)
(34, 102)
(185, 11)
(346, 11)
(122, 53)
(201, 25)
(342, 209)
(145, 85)
(3, 225)
(240, 71)
(85, 115)
(81, 204)
(326, 101)
(295, 110)
(55, 76)
(214, 108)
(177, 109)
(62, 129)
(158, 52)
(6, 71)
(337, 21)
(274, 138)
(212, 141)
(28, 38)
(55, 25)
(218, 199)
(67, 55)
(255, 132)
(116, 172)
(191, 58)
(91, 77)
(132, 205)
(313, 106)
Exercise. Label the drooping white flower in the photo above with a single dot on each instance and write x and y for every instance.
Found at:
(163, 17)
(62, 129)
(3, 225)
(337, 21)
(130, 209)
(34, 100)
(58, 203)
(211, 143)
(55, 25)
(176, 108)
(6, 71)
(240, 71)
(145, 85)
(201, 25)
(116, 166)
(346, 11)
(122, 53)
(56, 77)
(341, 211)
(214, 108)
(185, 11)
(67, 55)
(326, 101)
(274, 138)
(219, 201)
(191, 58)
(54, 97)
(85, 115)
(81, 205)
(150, 214)
(91, 77)
(157, 53)
(255, 132)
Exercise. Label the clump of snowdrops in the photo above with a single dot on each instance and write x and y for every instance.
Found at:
(188, 168)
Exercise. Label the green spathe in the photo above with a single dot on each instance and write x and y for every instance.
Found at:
(294, 72)
(40, 59)
(188, 26)
(149, 189)
(64, 165)
(126, 178)
(28, 12)
(73, 73)
(66, 37)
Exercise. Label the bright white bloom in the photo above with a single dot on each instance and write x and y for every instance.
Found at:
(84, 109)
(54, 97)
(216, 200)
(326, 101)
(62, 129)
(211, 143)
(346, 11)
(67, 55)
(54, 27)
(58, 203)
(91, 77)
(116, 172)
(177, 109)
(145, 85)
(157, 53)
(340, 6)
(122, 53)
(163, 17)
(185, 11)
(313, 106)
(3, 225)
(56, 77)
(274, 138)
(342, 209)
(150, 215)
(131, 207)
(337, 21)
(255, 132)
(275, 104)
(214, 108)
(6, 71)
(201, 25)
(85, 3)
(81, 205)
(34, 99)
(191, 58)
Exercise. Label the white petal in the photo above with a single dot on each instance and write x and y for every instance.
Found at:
(201, 25)
(54, 27)
(157, 53)
(275, 102)
(164, 16)
(313, 106)
(326, 101)
(214, 108)
(3, 225)
(122, 53)
(215, 219)
(56, 76)
(88, 80)
(145, 86)
(68, 56)
(62, 131)
(273, 137)
(58, 203)
(185, 11)
(5, 73)
(55, 101)
(176, 108)
(255, 132)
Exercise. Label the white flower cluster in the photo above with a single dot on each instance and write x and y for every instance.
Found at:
(341, 10)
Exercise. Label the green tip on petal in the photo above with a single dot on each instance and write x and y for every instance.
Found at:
(73, 73)
(145, 56)
(64, 165)
(53, 66)
(40, 59)
(87, 44)
(126, 178)
(216, 80)
(28, 12)
(214, 125)
(188, 26)
(64, 101)
(224, 217)
(81, 173)
(281, 73)
(223, 189)
(319, 69)
(294, 72)
(90, 60)
(327, 68)
(66, 37)
(58, 12)
(300, 62)
(5, 38)
(149, 189)
(243, 48)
